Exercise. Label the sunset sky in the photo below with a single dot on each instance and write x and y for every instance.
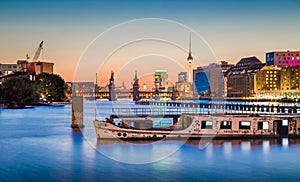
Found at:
(232, 29)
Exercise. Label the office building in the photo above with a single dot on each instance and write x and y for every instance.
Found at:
(276, 82)
(240, 78)
(283, 58)
(182, 77)
(268, 80)
(201, 81)
(35, 68)
(161, 80)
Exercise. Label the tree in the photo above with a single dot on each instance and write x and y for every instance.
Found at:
(1, 91)
(50, 87)
(18, 91)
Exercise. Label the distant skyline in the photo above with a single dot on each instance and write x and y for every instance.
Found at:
(233, 29)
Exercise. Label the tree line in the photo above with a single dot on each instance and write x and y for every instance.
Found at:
(20, 91)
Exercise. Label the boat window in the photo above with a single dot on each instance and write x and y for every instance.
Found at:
(225, 125)
(244, 125)
(263, 125)
(206, 125)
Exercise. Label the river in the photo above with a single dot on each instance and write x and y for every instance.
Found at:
(39, 145)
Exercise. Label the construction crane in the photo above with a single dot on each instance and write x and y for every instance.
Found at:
(38, 52)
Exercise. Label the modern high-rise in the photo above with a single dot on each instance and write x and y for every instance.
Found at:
(283, 58)
(161, 80)
(216, 80)
(201, 81)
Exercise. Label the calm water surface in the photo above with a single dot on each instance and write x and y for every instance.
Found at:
(39, 145)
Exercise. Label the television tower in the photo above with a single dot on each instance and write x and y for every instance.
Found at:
(190, 60)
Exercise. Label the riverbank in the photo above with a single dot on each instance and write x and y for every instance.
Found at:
(55, 104)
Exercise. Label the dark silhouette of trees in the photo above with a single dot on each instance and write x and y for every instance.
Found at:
(50, 87)
(1, 92)
(19, 91)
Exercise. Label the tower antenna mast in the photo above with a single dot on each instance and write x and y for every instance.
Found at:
(190, 46)
(190, 59)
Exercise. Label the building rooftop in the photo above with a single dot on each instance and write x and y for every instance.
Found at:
(245, 65)
(271, 68)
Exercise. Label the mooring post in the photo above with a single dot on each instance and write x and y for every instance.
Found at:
(77, 112)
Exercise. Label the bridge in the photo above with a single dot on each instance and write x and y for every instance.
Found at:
(124, 94)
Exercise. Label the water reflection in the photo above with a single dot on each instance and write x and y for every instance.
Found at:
(226, 143)
(266, 146)
(246, 143)
(246, 146)
(227, 148)
(137, 152)
(209, 151)
(285, 143)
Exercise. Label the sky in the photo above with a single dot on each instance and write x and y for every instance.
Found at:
(231, 29)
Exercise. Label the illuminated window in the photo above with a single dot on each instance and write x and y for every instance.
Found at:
(206, 125)
(263, 125)
(244, 125)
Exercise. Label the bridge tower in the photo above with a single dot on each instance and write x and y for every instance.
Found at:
(136, 87)
(111, 87)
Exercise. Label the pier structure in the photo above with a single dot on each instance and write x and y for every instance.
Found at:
(77, 112)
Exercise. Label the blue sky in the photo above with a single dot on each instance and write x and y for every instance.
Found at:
(233, 28)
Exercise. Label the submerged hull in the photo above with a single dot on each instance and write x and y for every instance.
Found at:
(206, 126)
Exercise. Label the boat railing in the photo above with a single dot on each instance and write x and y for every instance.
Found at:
(206, 109)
